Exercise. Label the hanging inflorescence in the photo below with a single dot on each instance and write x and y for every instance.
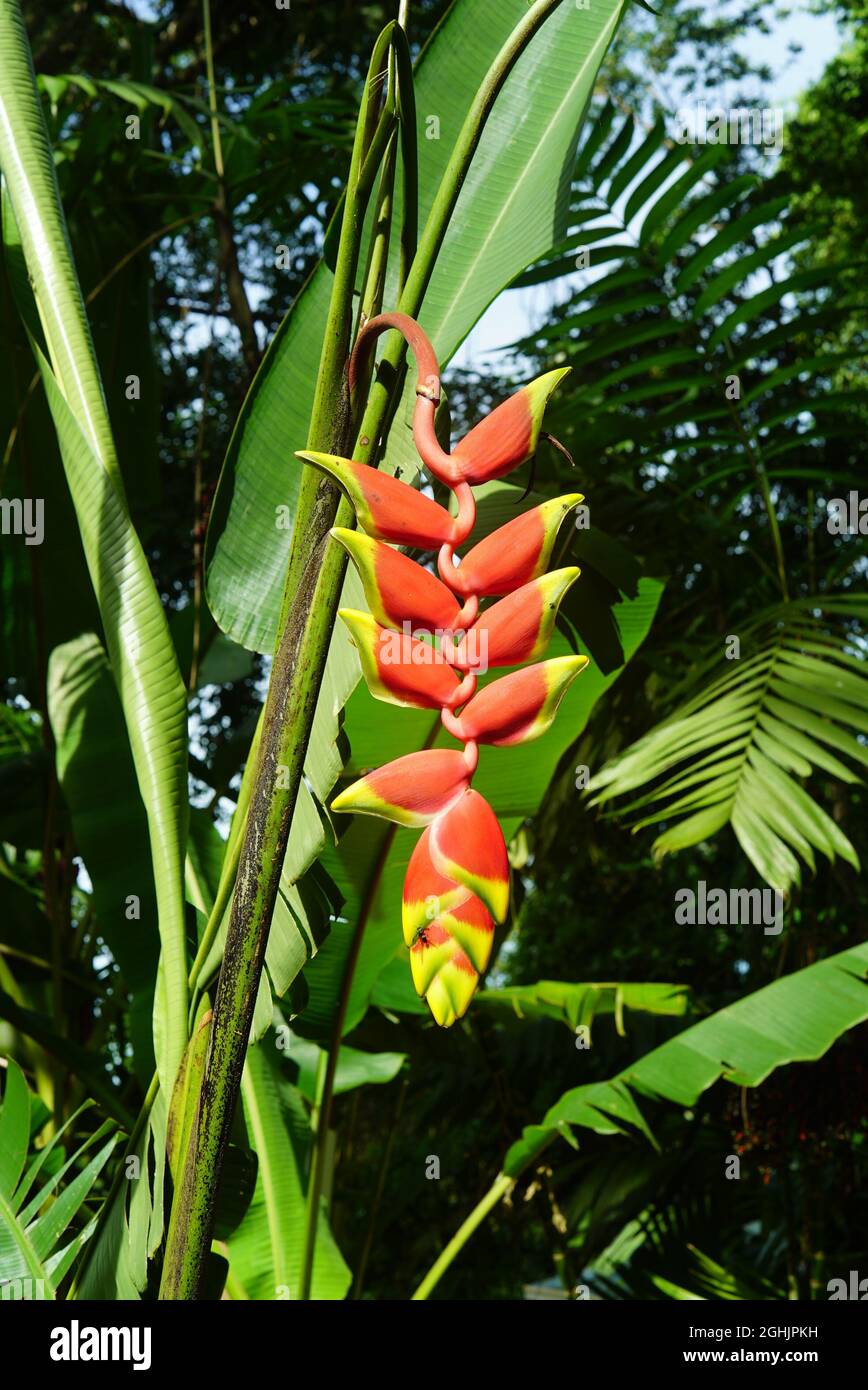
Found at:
(424, 642)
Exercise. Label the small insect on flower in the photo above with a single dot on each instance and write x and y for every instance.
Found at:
(424, 642)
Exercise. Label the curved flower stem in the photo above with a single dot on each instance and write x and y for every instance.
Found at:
(443, 208)
(502, 1184)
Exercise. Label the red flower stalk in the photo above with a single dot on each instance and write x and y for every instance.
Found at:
(423, 643)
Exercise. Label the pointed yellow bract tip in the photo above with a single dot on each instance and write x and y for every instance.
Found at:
(564, 503)
(327, 461)
(497, 900)
(578, 662)
(362, 627)
(354, 542)
(538, 393)
(440, 1004)
(555, 584)
(560, 672)
(547, 383)
(346, 800)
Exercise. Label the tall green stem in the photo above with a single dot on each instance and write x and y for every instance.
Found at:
(216, 142)
(295, 679)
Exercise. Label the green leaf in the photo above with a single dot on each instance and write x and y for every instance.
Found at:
(130, 1222)
(14, 1128)
(701, 211)
(265, 1250)
(652, 143)
(734, 231)
(354, 1068)
(513, 208)
(140, 649)
(576, 1004)
(765, 299)
(795, 1019)
(77, 1060)
(96, 772)
(743, 266)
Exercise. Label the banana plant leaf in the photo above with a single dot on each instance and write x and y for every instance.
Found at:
(512, 208)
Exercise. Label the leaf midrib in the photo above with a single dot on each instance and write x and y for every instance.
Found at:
(517, 185)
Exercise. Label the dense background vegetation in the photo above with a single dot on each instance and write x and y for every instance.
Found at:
(708, 520)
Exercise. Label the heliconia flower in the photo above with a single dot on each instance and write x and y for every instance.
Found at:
(472, 926)
(518, 627)
(467, 846)
(443, 973)
(512, 555)
(391, 510)
(427, 892)
(504, 440)
(507, 437)
(397, 667)
(411, 790)
(396, 588)
(457, 883)
(518, 707)
(447, 957)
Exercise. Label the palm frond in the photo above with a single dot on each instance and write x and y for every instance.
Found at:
(738, 751)
(42, 1193)
(692, 278)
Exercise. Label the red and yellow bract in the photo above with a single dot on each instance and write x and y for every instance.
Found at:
(425, 641)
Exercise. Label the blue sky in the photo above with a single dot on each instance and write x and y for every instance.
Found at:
(820, 40)
(514, 313)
